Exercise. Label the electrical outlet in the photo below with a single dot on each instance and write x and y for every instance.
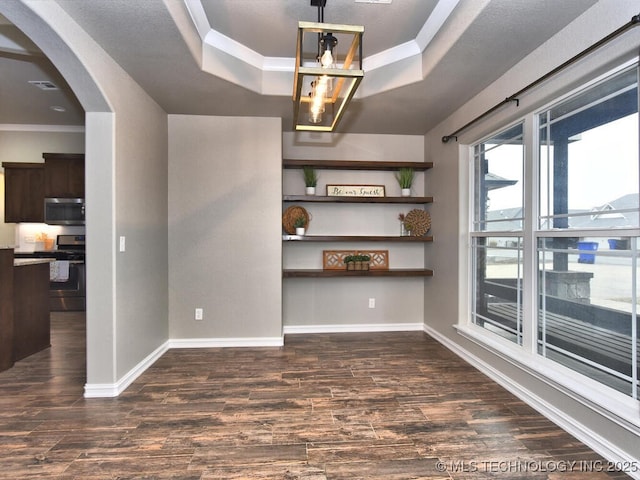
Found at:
(199, 314)
(372, 303)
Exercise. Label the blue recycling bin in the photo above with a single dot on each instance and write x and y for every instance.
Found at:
(587, 247)
(618, 244)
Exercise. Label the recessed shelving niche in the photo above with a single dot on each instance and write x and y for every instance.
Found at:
(328, 200)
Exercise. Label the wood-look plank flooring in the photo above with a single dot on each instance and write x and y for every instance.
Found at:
(326, 406)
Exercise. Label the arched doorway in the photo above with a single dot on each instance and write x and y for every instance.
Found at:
(99, 132)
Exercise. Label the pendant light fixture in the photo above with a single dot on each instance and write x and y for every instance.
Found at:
(326, 80)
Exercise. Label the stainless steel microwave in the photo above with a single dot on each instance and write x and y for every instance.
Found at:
(64, 211)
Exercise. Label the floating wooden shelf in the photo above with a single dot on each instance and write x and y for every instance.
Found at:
(355, 164)
(355, 238)
(325, 199)
(317, 273)
(319, 199)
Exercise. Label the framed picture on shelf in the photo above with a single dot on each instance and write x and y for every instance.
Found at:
(334, 259)
(355, 191)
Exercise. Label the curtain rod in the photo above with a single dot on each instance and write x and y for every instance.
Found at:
(635, 20)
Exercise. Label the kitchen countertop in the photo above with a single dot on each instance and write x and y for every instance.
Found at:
(21, 262)
(32, 252)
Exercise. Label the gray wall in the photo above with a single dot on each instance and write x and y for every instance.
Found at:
(225, 188)
(141, 217)
(126, 182)
(446, 299)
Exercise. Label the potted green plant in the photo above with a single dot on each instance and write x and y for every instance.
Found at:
(349, 261)
(310, 180)
(357, 262)
(405, 179)
(300, 224)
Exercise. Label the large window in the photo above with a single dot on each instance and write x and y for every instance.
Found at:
(582, 235)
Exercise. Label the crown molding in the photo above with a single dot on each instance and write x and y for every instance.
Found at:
(230, 60)
(17, 127)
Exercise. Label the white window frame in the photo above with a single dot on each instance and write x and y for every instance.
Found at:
(614, 405)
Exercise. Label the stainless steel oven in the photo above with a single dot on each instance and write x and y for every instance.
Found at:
(70, 293)
(67, 280)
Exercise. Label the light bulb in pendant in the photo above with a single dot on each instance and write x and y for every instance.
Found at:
(327, 43)
(327, 59)
(316, 105)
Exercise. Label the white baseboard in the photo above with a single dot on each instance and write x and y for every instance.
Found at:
(354, 328)
(226, 342)
(100, 390)
(561, 418)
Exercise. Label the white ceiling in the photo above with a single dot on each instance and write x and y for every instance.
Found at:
(422, 58)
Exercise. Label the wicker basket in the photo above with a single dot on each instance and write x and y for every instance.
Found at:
(289, 218)
(362, 266)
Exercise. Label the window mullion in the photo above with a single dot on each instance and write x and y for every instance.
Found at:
(530, 202)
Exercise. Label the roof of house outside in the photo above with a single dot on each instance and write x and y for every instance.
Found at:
(609, 215)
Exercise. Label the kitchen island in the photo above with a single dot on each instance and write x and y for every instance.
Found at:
(24, 307)
(6, 308)
(31, 323)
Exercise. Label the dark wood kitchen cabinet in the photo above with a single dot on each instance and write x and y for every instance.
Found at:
(6, 308)
(23, 192)
(31, 323)
(64, 175)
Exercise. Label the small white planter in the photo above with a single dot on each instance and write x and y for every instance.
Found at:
(406, 192)
(310, 190)
(300, 231)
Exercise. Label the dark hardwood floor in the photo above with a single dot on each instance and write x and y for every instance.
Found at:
(390, 406)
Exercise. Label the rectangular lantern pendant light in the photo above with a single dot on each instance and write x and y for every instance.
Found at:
(323, 88)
